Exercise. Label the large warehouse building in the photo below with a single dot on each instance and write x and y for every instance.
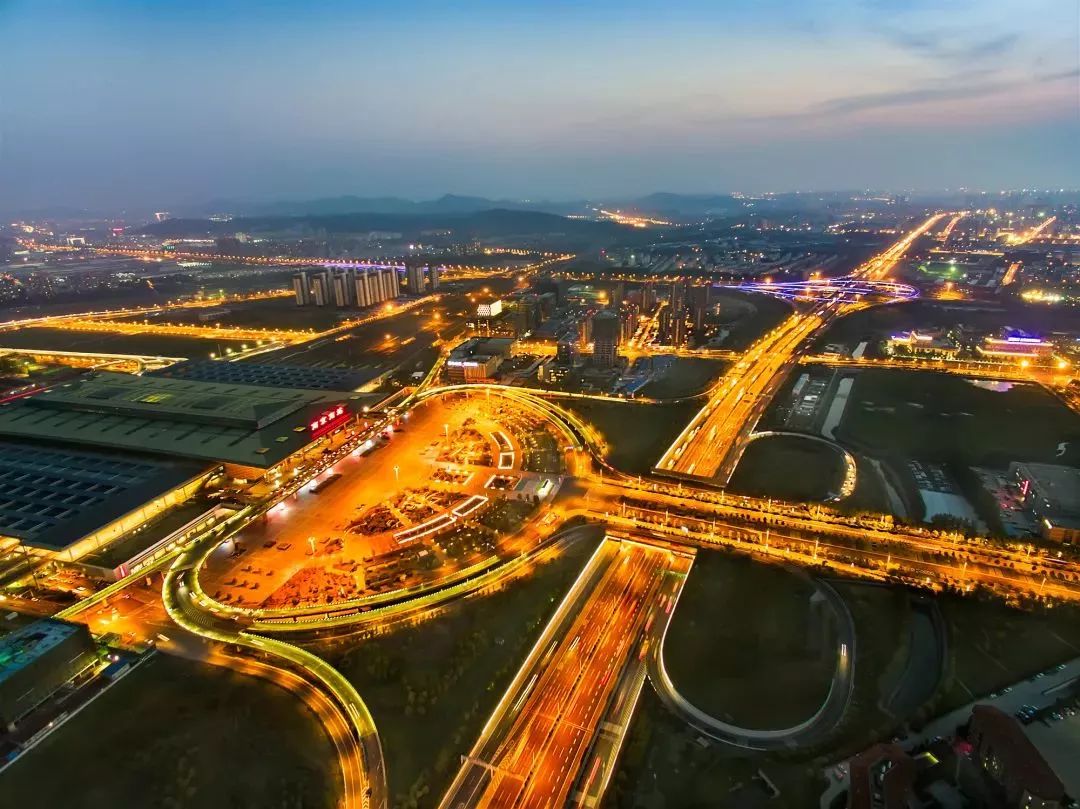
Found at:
(102, 470)
(241, 425)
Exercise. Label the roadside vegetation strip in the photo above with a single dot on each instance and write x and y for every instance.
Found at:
(344, 696)
(838, 697)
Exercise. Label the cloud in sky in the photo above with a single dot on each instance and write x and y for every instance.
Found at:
(119, 102)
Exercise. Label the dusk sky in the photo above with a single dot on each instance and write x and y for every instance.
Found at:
(109, 103)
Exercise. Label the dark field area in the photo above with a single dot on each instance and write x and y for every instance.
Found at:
(637, 434)
(177, 733)
(748, 316)
(992, 645)
(91, 341)
(760, 673)
(379, 345)
(881, 321)
(686, 377)
(939, 417)
(789, 468)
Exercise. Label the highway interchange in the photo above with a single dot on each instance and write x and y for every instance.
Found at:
(543, 745)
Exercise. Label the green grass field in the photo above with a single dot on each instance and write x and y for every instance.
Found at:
(431, 687)
(749, 316)
(738, 646)
(946, 418)
(789, 468)
(637, 434)
(687, 376)
(176, 733)
(992, 645)
(148, 344)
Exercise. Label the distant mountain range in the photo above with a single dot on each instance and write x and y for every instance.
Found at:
(658, 203)
(495, 223)
(351, 204)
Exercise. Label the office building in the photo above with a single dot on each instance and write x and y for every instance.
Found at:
(477, 359)
(1016, 345)
(605, 338)
(699, 306)
(628, 322)
(585, 330)
(321, 293)
(434, 281)
(344, 286)
(414, 280)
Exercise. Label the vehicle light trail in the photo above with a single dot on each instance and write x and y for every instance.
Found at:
(710, 446)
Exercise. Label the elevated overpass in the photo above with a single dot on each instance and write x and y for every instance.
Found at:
(131, 363)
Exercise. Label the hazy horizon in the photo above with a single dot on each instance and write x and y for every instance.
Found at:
(124, 104)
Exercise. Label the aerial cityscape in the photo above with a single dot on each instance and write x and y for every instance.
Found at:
(630, 406)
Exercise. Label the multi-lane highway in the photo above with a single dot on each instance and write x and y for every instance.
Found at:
(710, 446)
(554, 737)
(706, 448)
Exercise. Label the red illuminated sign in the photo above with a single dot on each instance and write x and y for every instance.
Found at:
(331, 419)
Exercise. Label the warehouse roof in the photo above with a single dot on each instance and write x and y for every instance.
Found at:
(51, 497)
(242, 424)
(264, 374)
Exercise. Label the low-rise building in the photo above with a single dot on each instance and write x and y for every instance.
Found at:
(914, 343)
(36, 660)
(478, 359)
(882, 777)
(1016, 345)
(1011, 760)
(1052, 494)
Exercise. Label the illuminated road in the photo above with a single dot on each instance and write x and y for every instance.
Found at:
(554, 737)
(1034, 233)
(705, 448)
(814, 728)
(1057, 374)
(345, 716)
(710, 446)
(451, 272)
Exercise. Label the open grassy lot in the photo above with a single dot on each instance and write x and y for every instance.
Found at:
(881, 617)
(432, 686)
(992, 645)
(741, 646)
(274, 313)
(637, 434)
(383, 343)
(666, 764)
(748, 316)
(150, 344)
(789, 468)
(177, 733)
(687, 376)
(945, 418)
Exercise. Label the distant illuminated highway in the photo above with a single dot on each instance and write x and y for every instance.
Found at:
(710, 446)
